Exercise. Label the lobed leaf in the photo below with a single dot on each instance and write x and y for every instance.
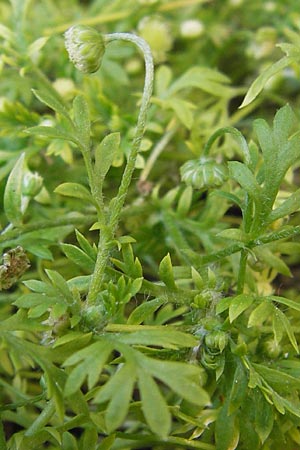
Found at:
(154, 405)
(120, 398)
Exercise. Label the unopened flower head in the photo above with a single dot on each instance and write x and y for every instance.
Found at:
(203, 173)
(86, 47)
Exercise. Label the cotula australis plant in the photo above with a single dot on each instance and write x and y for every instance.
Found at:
(202, 353)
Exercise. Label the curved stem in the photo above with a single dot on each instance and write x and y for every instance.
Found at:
(119, 200)
(116, 205)
(234, 132)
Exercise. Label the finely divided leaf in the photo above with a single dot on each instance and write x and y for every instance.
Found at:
(182, 378)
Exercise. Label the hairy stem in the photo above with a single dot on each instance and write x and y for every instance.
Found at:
(234, 132)
(107, 232)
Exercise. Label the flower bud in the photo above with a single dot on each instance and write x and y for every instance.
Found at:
(32, 184)
(216, 341)
(86, 47)
(203, 173)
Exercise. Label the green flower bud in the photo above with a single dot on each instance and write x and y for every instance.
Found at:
(86, 47)
(93, 318)
(203, 173)
(216, 341)
(32, 184)
(272, 348)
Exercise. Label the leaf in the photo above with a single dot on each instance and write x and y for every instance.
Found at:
(163, 77)
(260, 314)
(273, 261)
(288, 207)
(154, 406)
(185, 201)
(60, 283)
(264, 417)
(13, 192)
(105, 153)
(285, 301)
(85, 245)
(181, 378)
(106, 443)
(78, 256)
(238, 389)
(51, 132)
(120, 396)
(209, 80)
(68, 441)
(288, 328)
(75, 190)
(82, 119)
(165, 337)
(52, 102)
(165, 272)
(144, 310)
(93, 360)
(243, 175)
(36, 46)
(278, 379)
(260, 82)
(226, 430)
(183, 110)
(238, 305)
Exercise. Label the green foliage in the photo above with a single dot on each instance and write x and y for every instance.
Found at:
(149, 278)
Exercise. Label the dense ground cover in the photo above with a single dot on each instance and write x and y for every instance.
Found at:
(149, 285)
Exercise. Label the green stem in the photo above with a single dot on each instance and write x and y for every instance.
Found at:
(242, 271)
(42, 419)
(234, 132)
(107, 232)
(117, 204)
